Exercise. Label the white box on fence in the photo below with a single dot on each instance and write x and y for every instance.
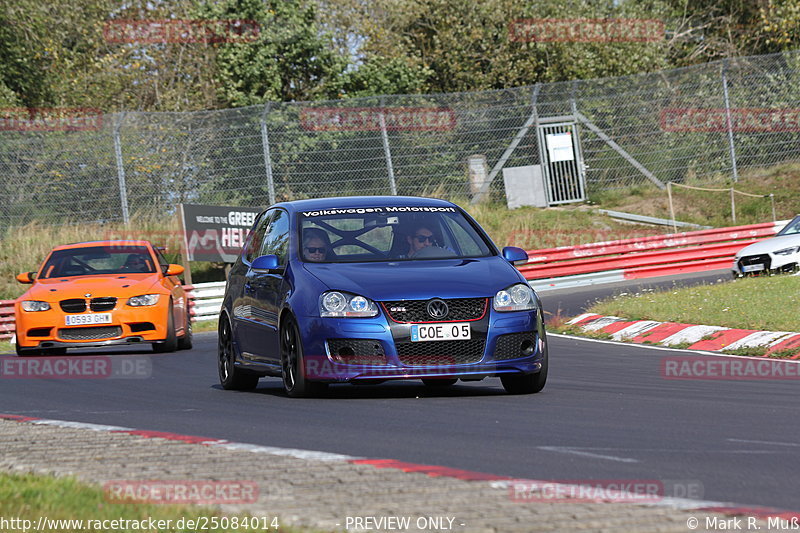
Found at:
(524, 186)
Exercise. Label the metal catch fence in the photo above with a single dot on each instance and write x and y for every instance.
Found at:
(706, 121)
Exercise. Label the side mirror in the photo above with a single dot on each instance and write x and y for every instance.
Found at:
(267, 263)
(174, 270)
(515, 256)
(26, 277)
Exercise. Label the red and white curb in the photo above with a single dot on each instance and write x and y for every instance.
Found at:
(697, 337)
(494, 481)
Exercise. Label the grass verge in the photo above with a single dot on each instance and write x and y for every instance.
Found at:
(748, 303)
(30, 497)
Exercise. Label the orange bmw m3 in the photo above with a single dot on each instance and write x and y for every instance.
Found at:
(103, 293)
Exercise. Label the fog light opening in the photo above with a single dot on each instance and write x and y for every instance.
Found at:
(526, 348)
(346, 351)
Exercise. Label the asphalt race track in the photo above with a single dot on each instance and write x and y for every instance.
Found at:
(606, 414)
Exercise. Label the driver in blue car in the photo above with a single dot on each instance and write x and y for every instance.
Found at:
(315, 245)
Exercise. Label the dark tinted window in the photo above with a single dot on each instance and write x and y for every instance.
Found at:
(276, 240)
(256, 240)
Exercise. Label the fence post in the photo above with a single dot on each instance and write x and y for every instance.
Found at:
(123, 189)
(267, 157)
(733, 205)
(671, 207)
(387, 151)
(728, 122)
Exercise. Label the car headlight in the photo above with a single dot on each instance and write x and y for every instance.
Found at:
(33, 306)
(144, 300)
(342, 304)
(786, 251)
(519, 297)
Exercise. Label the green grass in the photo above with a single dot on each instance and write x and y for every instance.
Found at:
(29, 497)
(760, 303)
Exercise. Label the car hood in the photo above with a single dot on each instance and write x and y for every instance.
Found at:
(119, 285)
(414, 280)
(770, 245)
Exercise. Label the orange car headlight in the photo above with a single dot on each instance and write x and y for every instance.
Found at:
(33, 306)
(144, 300)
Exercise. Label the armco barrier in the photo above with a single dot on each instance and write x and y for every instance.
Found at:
(6, 319)
(660, 255)
(205, 300)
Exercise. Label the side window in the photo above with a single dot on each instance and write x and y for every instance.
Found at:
(276, 240)
(256, 240)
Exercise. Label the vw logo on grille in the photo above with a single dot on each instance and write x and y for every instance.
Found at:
(437, 308)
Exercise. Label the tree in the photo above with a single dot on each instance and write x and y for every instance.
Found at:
(292, 59)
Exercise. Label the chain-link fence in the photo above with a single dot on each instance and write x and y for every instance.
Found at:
(706, 121)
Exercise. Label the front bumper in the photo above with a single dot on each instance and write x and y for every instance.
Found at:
(47, 329)
(510, 343)
(762, 264)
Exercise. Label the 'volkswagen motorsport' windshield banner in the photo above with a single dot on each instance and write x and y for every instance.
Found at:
(216, 233)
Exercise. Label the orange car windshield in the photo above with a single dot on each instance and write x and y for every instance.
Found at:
(98, 261)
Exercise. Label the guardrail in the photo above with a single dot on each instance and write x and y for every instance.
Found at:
(7, 319)
(660, 255)
(205, 300)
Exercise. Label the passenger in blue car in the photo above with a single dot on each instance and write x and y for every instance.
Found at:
(420, 238)
(316, 246)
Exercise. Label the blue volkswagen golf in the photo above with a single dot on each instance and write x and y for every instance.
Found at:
(367, 289)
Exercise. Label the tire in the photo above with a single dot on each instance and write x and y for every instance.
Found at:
(292, 373)
(170, 344)
(185, 342)
(526, 383)
(230, 377)
(434, 382)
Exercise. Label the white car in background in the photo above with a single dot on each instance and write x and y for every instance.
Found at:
(771, 256)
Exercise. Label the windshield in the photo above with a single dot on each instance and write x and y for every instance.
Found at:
(792, 228)
(98, 260)
(406, 233)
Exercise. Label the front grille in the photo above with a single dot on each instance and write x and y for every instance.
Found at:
(416, 310)
(509, 346)
(73, 305)
(90, 333)
(103, 304)
(357, 351)
(441, 353)
(762, 259)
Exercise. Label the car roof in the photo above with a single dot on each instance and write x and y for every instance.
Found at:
(361, 201)
(86, 244)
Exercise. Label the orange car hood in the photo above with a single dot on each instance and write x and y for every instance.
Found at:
(119, 285)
